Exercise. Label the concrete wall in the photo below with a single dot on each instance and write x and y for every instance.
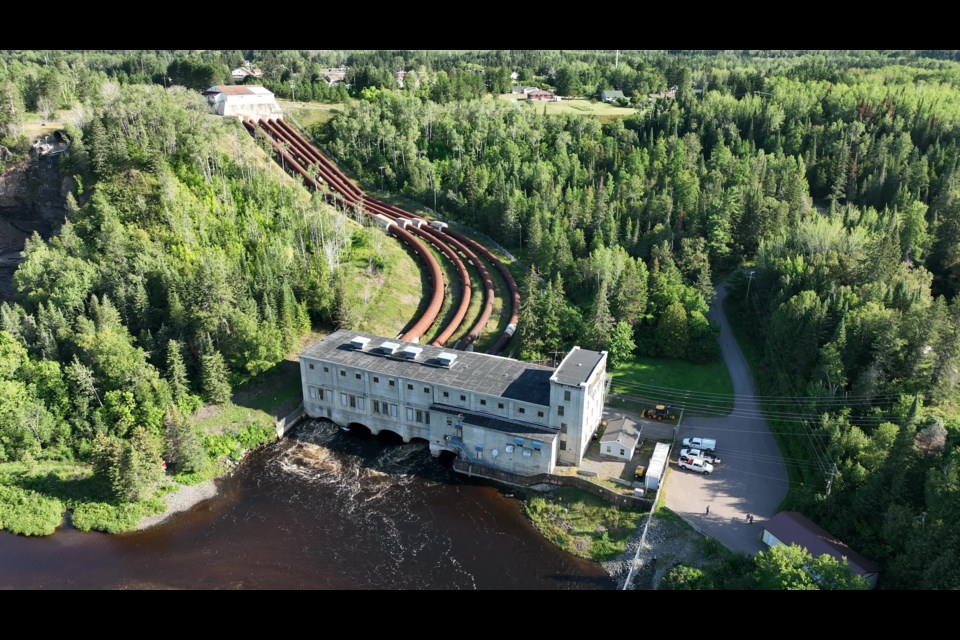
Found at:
(581, 413)
(613, 449)
(511, 456)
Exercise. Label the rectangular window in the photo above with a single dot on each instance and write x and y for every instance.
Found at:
(563, 445)
(343, 399)
(353, 402)
(376, 406)
(393, 383)
(463, 398)
(563, 427)
(426, 389)
(622, 452)
(446, 394)
(409, 414)
(479, 451)
(419, 415)
(609, 448)
(427, 416)
(311, 366)
(521, 410)
(343, 374)
(313, 393)
(358, 376)
(499, 405)
(320, 391)
(326, 369)
(483, 402)
(360, 404)
(539, 414)
(393, 411)
(409, 387)
(449, 422)
(376, 380)
(560, 410)
(566, 396)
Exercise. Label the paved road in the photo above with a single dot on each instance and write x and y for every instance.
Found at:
(752, 478)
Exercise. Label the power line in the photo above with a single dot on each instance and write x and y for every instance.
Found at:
(631, 383)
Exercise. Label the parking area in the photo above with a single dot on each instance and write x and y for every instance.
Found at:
(751, 480)
(614, 473)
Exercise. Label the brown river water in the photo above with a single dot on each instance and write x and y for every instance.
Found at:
(321, 510)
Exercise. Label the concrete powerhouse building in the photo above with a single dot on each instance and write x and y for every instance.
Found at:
(511, 415)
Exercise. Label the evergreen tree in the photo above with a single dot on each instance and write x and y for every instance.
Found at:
(214, 377)
(601, 322)
(673, 334)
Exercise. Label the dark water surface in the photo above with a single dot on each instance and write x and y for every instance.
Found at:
(324, 510)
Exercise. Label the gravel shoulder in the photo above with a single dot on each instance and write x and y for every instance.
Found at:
(183, 499)
(670, 541)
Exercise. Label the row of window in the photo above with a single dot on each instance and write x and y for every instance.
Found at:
(385, 408)
(416, 415)
(379, 407)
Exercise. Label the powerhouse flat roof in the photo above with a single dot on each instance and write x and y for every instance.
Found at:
(478, 372)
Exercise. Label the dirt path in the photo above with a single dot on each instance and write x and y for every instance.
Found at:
(752, 478)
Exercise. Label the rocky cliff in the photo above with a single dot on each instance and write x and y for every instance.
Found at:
(32, 198)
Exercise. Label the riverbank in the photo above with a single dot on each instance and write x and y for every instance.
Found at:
(182, 499)
(583, 524)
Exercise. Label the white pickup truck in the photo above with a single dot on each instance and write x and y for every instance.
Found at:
(698, 453)
(695, 464)
(705, 444)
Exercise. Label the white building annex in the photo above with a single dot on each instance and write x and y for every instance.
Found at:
(511, 415)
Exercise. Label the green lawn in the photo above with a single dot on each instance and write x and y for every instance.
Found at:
(310, 113)
(705, 389)
(593, 108)
(581, 523)
(384, 284)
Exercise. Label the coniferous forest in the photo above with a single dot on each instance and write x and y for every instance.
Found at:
(821, 187)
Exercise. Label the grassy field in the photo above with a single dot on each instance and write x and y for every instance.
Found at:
(677, 382)
(500, 318)
(310, 113)
(593, 108)
(581, 523)
(384, 284)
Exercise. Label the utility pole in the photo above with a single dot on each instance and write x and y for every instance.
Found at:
(749, 282)
(833, 472)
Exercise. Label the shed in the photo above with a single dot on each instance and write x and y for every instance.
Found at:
(657, 466)
(792, 527)
(620, 438)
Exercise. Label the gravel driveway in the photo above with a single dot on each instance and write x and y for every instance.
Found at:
(752, 478)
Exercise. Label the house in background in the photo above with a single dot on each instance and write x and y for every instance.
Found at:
(242, 72)
(792, 527)
(611, 95)
(669, 94)
(333, 75)
(523, 89)
(620, 439)
(543, 96)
